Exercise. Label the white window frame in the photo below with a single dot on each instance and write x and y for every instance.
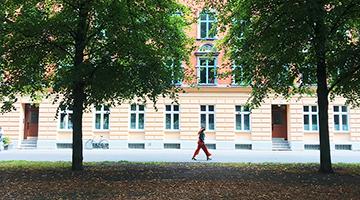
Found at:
(102, 112)
(340, 113)
(177, 82)
(172, 112)
(310, 113)
(207, 113)
(242, 112)
(207, 21)
(137, 112)
(241, 84)
(66, 119)
(207, 71)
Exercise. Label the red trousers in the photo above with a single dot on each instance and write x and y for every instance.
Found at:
(201, 145)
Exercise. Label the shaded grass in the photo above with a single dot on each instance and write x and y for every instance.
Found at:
(22, 164)
(290, 167)
(164, 180)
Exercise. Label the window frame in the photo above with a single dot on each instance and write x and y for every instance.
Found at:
(66, 119)
(177, 82)
(102, 112)
(207, 21)
(310, 113)
(340, 113)
(206, 68)
(172, 112)
(137, 112)
(207, 113)
(242, 112)
(233, 82)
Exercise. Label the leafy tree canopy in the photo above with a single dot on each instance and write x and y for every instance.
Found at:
(125, 48)
(90, 52)
(275, 42)
(294, 47)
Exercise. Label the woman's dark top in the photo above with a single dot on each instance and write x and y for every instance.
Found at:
(202, 136)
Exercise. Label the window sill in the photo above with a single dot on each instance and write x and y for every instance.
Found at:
(207, 85)
(244, 131)
(171, 131)
(239, 85)
(207, 39)
(101, 131)
(311, 132)
(136, 131)
(65, 130)
(341, 132)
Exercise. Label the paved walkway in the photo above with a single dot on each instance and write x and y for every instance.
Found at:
(222, 156)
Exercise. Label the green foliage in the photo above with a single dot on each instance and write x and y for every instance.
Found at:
(90, 52)
(126, 46)
(275, 42)
(287, 48)
(6, 141)
(32, 165)
(298, 167)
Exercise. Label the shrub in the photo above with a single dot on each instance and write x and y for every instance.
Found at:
(6, 141)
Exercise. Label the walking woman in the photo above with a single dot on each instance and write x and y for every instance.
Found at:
(201, 145)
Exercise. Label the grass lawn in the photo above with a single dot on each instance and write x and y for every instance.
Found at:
(198, 180)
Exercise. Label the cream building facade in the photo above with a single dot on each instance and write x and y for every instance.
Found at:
(217, 104)
(226, 133)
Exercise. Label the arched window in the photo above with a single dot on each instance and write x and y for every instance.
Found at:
(207, 48)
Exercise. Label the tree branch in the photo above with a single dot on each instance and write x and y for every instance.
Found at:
(70, 4)
(341, 17)
(344, 77)
(101, 27)
(61, 48)
(70, 31)
(131, 19)
(270, 23)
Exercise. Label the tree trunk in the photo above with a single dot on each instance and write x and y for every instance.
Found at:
(322, 90)
(323, 103)
(77, 156)
(78, 89)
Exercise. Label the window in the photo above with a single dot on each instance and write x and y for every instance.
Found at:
(207, 116)
(137, 117)
(172, 117)
(310, 118)
(341, 118)
(238, 76)
(207, 64)
(308, 75)
(102, 116)
(177, 71)
(207, 25)
(178, 76)
(242, 118)
(207, 48)
(66, 120)
(242, 25)
(207, 70)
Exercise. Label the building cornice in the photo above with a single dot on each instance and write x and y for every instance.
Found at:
(217, 89)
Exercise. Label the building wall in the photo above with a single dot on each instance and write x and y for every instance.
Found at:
(154, 134)
(11, 124)
(223, 96)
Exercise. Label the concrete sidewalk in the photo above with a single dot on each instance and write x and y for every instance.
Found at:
(221, 156)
